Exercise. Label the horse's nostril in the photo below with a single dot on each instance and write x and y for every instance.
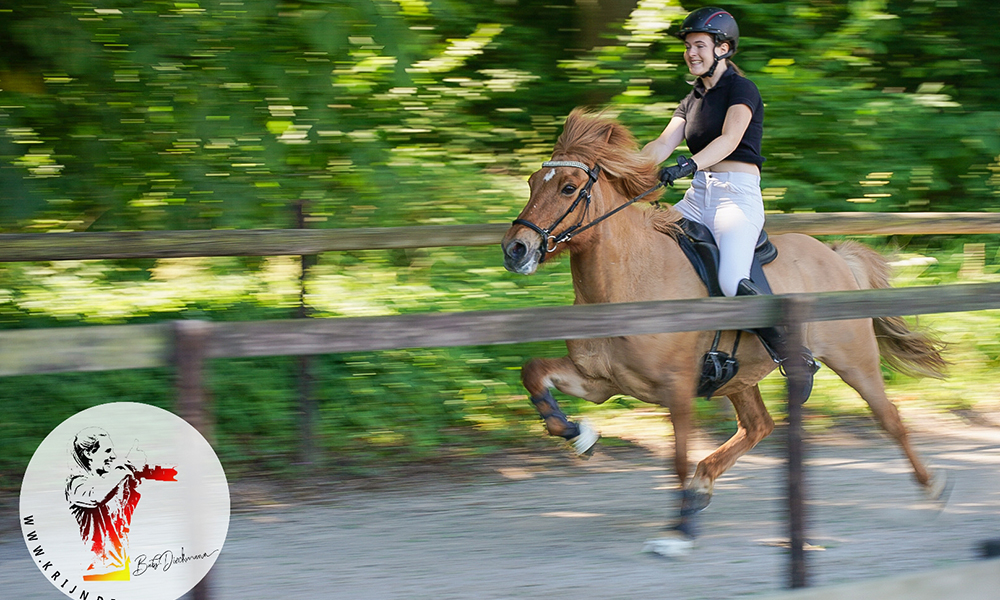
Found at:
(516, 251)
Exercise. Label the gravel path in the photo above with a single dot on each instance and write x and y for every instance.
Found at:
(535, 526)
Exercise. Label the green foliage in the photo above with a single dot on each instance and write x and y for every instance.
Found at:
(192, 115)
(188, 115)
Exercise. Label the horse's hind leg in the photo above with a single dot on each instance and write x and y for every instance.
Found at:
(539, 375)
(872, 389)
(858, 366)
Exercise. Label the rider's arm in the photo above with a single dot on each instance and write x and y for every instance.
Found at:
(662, 147)
(737, 120)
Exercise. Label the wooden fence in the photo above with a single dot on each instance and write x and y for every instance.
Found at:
(276, 242)
(187, 344)
(112, 347)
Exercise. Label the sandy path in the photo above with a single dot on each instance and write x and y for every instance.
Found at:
(550, 526)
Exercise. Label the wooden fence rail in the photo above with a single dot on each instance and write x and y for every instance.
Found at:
(21, 247)
(111, 347)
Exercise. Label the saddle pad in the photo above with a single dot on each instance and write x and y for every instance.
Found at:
(699, 246)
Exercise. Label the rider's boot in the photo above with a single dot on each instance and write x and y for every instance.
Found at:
(775, 341)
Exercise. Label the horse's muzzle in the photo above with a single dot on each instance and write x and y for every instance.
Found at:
(520, 256)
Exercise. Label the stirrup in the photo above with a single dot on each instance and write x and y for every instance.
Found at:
(806, 356)
(716, 370)
(717, 367)
(813, 366)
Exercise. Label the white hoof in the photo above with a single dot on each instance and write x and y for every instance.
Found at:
(583, 444)
(671, 547)
(939, 489)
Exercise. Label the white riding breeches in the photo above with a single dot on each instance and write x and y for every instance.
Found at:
(731, 205)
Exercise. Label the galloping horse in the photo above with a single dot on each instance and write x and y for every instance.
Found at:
(632, 254)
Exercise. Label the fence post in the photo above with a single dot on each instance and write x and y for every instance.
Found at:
(794, 315)
(308, 410)
(190, 344)
(190, 341)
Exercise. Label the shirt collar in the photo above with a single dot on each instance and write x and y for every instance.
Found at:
(725, 80)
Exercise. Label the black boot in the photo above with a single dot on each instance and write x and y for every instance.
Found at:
(775, 341)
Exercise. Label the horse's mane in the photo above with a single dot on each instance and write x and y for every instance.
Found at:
(593, 138)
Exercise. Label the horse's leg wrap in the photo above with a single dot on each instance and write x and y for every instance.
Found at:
(556, 421)
(692, 503)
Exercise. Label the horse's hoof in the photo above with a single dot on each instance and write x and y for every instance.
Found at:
(674, 545)
(585, 442)
(939, 488)
(693, 502)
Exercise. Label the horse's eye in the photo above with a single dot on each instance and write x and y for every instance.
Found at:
(568, 189)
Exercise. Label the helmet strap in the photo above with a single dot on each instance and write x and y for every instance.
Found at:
(711, 71)
(715, 62)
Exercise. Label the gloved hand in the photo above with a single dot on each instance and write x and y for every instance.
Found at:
(684, 167)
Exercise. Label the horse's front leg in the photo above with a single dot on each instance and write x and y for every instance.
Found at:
(754, 424)
(540, 375)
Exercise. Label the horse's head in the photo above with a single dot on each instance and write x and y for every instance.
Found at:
(595, 166)
(562, 193)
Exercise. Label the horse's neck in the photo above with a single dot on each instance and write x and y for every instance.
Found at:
(627, 260)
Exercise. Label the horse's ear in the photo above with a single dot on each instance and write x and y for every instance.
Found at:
(609, 132)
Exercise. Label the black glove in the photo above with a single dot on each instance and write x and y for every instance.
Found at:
(685, 166)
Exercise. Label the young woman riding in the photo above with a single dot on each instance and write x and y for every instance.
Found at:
(722, 120)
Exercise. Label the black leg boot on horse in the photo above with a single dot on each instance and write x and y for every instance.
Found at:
(582, 436)
(776, 341)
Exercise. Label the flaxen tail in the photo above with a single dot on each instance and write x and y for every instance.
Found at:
(911, 352)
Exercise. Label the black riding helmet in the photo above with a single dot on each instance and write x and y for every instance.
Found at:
(716, 22)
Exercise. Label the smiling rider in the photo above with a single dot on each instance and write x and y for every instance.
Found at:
(722, 121)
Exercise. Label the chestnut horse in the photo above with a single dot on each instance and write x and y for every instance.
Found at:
(632, 255)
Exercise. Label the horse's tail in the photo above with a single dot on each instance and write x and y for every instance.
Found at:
(912, 352)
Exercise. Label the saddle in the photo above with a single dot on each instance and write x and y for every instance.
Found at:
(698, 244)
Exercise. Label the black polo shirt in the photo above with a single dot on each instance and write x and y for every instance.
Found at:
(704, 112)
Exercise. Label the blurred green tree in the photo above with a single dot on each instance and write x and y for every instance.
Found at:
(163, 114)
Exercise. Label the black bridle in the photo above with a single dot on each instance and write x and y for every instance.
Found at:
(549, 241)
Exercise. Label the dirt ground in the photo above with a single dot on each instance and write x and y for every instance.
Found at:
(549, 525)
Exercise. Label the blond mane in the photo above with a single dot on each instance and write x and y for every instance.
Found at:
(593, 139)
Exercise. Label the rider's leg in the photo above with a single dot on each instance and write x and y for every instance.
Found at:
(776, 342)
(735, 215)
(738, 217)
(692, 205)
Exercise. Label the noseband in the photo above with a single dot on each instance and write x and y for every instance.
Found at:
(549, 241)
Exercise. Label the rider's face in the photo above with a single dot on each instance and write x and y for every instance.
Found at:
(700, 51)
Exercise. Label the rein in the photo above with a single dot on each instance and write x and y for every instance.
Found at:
(549, 241)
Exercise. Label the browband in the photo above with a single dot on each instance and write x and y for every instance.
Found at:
(568, 163)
